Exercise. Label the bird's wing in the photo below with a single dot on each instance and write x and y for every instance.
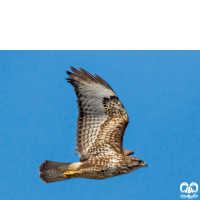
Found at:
(102, 118)
(128, 152)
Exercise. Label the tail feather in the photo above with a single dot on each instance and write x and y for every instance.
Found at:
(51, 171)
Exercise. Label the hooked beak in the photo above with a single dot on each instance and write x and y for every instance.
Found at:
(144, 164)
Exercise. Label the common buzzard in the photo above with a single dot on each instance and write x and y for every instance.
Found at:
(102, 120)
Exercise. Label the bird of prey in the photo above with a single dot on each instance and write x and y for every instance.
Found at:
(102, 120)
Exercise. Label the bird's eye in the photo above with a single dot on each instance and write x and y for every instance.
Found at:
(139, 162)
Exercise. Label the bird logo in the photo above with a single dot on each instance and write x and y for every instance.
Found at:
(186, 188)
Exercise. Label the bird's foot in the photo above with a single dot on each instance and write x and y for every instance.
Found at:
(67, 173)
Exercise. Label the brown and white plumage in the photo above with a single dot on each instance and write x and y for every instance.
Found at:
(102, 120)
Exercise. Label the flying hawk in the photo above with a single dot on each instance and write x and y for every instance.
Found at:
(102, 120)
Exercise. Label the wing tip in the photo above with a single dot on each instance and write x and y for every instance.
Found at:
(83, 76)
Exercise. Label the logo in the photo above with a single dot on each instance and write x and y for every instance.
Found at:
(189, 189)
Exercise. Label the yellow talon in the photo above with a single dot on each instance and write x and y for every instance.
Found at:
(70, 173)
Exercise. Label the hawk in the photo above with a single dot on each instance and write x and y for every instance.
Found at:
(102, 120)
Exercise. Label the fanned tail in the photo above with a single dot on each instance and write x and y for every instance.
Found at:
(51, 171)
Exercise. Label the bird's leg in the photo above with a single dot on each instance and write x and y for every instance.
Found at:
(67, 173)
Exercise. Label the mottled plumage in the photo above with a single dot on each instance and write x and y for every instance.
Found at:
(102, 120)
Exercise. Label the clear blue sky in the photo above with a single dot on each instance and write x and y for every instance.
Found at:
(160, 91)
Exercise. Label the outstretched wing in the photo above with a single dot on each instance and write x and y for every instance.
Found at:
(102, 119)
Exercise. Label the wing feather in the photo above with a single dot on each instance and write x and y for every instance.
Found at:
(102, 119)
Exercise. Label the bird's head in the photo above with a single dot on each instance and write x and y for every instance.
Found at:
(134, 163)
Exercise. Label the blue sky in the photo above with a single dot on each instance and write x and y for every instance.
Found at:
(160, 91)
